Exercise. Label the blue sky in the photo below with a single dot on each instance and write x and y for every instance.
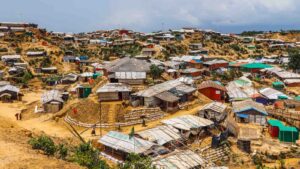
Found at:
(152, 15)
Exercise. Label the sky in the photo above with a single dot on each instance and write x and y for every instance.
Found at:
(228, 16)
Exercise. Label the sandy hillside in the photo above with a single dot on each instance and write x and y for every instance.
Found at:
(15, 152)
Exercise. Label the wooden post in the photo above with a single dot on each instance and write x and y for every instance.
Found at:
(100, 119)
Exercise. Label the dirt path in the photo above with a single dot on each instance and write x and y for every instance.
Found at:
(112, 112)
(41, 124)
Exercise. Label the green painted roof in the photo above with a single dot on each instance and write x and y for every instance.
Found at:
(219, 83)
(288, 128)
(277, 83)
(297, 98)
(241, 82)
(256, 66)
(282, 97)
(274, 122)
(232, 63)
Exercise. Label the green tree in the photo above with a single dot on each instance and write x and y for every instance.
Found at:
(155, 71)
(251, 33)
(18, 50)
(235, 47)
(294, 59)
(86, 155)
(134, 161)
(46, 62)
(26, 77)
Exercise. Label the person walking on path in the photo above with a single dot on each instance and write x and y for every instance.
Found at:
(17, 116)
(20, 116)
(94, 131)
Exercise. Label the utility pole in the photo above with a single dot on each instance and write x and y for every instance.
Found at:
(100, 119)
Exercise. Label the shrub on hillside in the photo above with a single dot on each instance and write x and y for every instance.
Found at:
(43, 143)
(86, 155)
(62, 151)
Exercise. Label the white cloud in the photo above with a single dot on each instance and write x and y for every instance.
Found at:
(131, 13)
(145, 15)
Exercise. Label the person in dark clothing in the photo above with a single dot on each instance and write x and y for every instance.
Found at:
(93, 131)
(20, 116)
(17, 116)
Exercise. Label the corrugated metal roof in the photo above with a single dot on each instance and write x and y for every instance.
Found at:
(130, 75)
(167, 96)
(49, 68)
(123, 142)
(250, 91)
(215, 62)
(3, 83)
(185, 89)
(191, 70)
(186, 159)
(289, 81)
(235, 93)
(186, 58)
(5, 57)
(52, 95)
(128, 64)
(70, 76)
(287, 75)
(241, 106)
(215, 106)
(87, 74)
(243, 81)
(114, 87)
(9, 88)
(35, 53)
(272, 94)
(186, 80)
(160, 134)
(187, 122)
(209, 83)
(159, 88)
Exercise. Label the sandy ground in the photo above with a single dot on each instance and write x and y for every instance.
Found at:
(15, 153)
(41, 123)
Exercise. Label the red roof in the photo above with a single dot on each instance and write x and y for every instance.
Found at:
(209, 83)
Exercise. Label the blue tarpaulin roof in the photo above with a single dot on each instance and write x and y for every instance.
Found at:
(243, 115)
